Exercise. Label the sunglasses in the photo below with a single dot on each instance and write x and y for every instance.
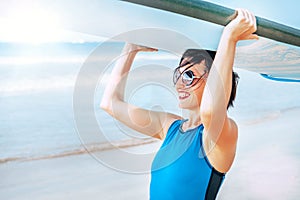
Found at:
(187, 76)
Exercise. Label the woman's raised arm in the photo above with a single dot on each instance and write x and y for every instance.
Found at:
(222, 130)
(148, 122)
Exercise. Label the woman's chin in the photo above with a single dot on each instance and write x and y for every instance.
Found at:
(183, 104)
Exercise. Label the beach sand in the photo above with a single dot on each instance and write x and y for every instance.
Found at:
(267, 166)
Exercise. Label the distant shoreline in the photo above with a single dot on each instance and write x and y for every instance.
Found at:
(107, 146)
(84, 149)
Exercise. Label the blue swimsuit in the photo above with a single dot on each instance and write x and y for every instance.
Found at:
(181, 170)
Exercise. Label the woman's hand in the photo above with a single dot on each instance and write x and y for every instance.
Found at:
(129, 47)
(242, 27)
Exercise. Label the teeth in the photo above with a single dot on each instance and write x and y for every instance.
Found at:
(182, 95)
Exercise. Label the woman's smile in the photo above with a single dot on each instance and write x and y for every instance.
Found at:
(183, 95)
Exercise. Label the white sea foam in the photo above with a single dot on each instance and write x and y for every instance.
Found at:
(39, 84)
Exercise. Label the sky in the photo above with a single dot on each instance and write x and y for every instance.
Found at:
(44, 21)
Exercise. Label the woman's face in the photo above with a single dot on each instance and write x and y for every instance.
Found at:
(190, 93)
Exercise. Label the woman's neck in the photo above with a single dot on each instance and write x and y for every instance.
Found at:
(193, 119)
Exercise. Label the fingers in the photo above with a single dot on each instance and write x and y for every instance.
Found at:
(145, 48)
(248, 19)
(136, 48)
(253, 20)
(252, 37)
(149, 49)
(246, 15)
(240, 13)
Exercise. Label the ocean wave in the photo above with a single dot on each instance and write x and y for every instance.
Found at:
(27, 60)
(270, 116)
(89, 148)
(22, 86)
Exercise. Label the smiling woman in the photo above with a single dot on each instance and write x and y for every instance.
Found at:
(31, 26)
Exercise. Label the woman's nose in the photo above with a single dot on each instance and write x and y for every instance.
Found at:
(179, 84)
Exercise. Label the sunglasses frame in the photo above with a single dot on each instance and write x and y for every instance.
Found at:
(181, 74)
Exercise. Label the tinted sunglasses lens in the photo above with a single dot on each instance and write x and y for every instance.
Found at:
(188, 77)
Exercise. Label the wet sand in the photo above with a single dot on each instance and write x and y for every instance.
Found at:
(267, 166)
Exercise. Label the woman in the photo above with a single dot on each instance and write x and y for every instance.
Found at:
(198, 149)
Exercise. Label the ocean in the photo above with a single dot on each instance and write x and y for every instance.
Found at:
(37, 94)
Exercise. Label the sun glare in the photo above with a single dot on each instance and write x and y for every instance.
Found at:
(31, 26)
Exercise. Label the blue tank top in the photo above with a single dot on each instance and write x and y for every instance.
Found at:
(181, 170)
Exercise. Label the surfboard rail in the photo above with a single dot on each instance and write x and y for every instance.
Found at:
(221, 15)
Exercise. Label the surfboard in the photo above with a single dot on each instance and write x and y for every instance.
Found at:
(177, 25)
(283, 62)
(154, 23)
(221, 15)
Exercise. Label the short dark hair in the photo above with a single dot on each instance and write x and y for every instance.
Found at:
(198, 55)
